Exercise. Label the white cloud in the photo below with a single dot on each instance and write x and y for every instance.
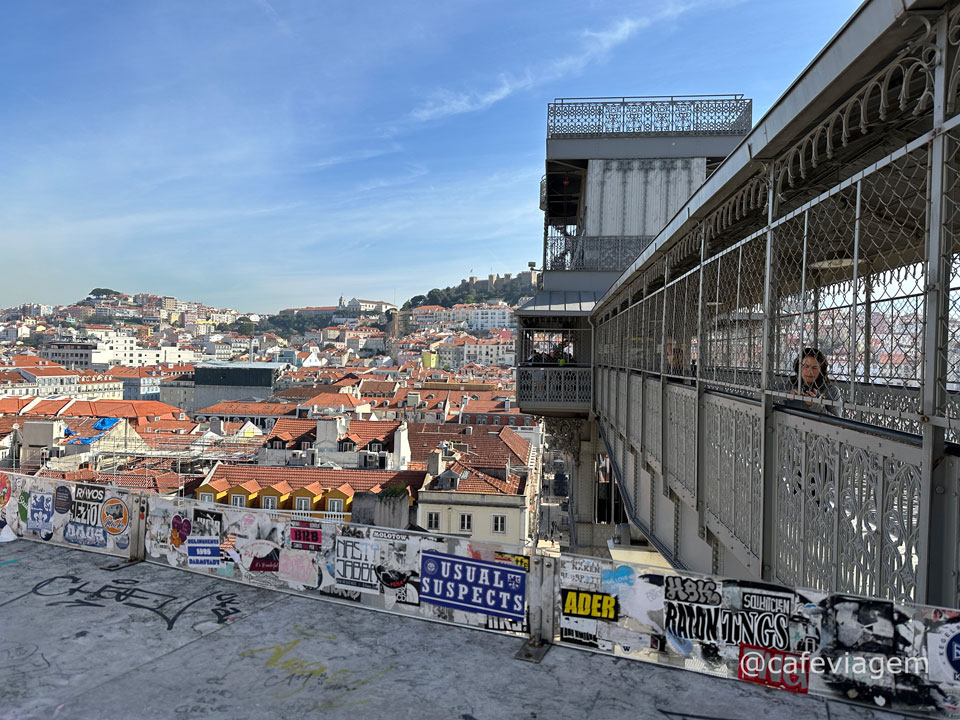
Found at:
(595, 46)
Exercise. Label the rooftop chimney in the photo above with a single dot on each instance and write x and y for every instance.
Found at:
(435, 464)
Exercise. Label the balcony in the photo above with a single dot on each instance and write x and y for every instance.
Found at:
(554, 391)
(565, 251)
(321, 515)
(649, 116)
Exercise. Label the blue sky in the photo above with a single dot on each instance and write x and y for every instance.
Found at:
(260, 154)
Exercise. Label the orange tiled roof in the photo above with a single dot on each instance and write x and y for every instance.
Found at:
(248, 408)
(359, 480)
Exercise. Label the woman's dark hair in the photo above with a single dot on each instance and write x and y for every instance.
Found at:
(823, 378)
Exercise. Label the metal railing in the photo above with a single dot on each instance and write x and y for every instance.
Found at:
(566, 251)
(568, 388)
(649, 116)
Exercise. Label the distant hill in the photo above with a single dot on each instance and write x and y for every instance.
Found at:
(508, 288)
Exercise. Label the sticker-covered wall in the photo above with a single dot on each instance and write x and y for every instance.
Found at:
(870, 651)
(875, 652)
(440, 578)
(91, 517)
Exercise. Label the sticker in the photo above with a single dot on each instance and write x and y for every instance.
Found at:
(180, 531)
(298, 567)
(259, 555)
(774, 668)
(207, 522)
(86, 504)
(305, 535)
(519, 560)
(5, 489)
(113, 516)
(62, 500)
(356, 564)
(491, 588)
(203, 551)
(583, 603)
(86, 535)
(23, 503)
(40, 512)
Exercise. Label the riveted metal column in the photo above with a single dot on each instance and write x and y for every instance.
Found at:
(852, 352)
(936, 576)
(768, 439)
(698, 407)
(663, 381)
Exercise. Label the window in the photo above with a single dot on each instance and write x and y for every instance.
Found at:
(206, 497)
(347, 446)
(335, 505)
(238, 500)
(499, 523)
(268, 502)
(466, 522)
(433, 521)
(303, 504)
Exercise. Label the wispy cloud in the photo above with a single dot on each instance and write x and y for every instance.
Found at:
(352, 157)
(595, 46)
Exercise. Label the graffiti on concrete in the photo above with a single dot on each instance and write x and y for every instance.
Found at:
(74, 592)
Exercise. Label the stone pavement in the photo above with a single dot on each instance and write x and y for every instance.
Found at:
(85, 636)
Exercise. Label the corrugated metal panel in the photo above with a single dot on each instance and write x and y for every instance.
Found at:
(638, 197)
(559, 302)
(594, 200)
(634, 210)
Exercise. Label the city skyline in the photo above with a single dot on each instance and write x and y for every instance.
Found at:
(266, 155)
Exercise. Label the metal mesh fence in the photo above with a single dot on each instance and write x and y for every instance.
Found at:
(682, 300)
(949, 388)
(731, 333)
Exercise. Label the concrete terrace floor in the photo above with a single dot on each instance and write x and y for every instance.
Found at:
(74, 645)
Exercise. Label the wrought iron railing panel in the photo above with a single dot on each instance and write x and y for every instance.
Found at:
(680, 442)
(732, 481)
(651, 418)
(847, 510)
(640, 117)
(636, 410)
(567, 250)
(622, 400)
(554, 387)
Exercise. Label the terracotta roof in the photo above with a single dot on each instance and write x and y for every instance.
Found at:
(333, 400)
(295, 431)
(29, 360)
(168, 425)
(144, 480)
(370, 387)
(483, 450)
(359, 480)
(472, 480)
(248, 408)
(48, 371)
